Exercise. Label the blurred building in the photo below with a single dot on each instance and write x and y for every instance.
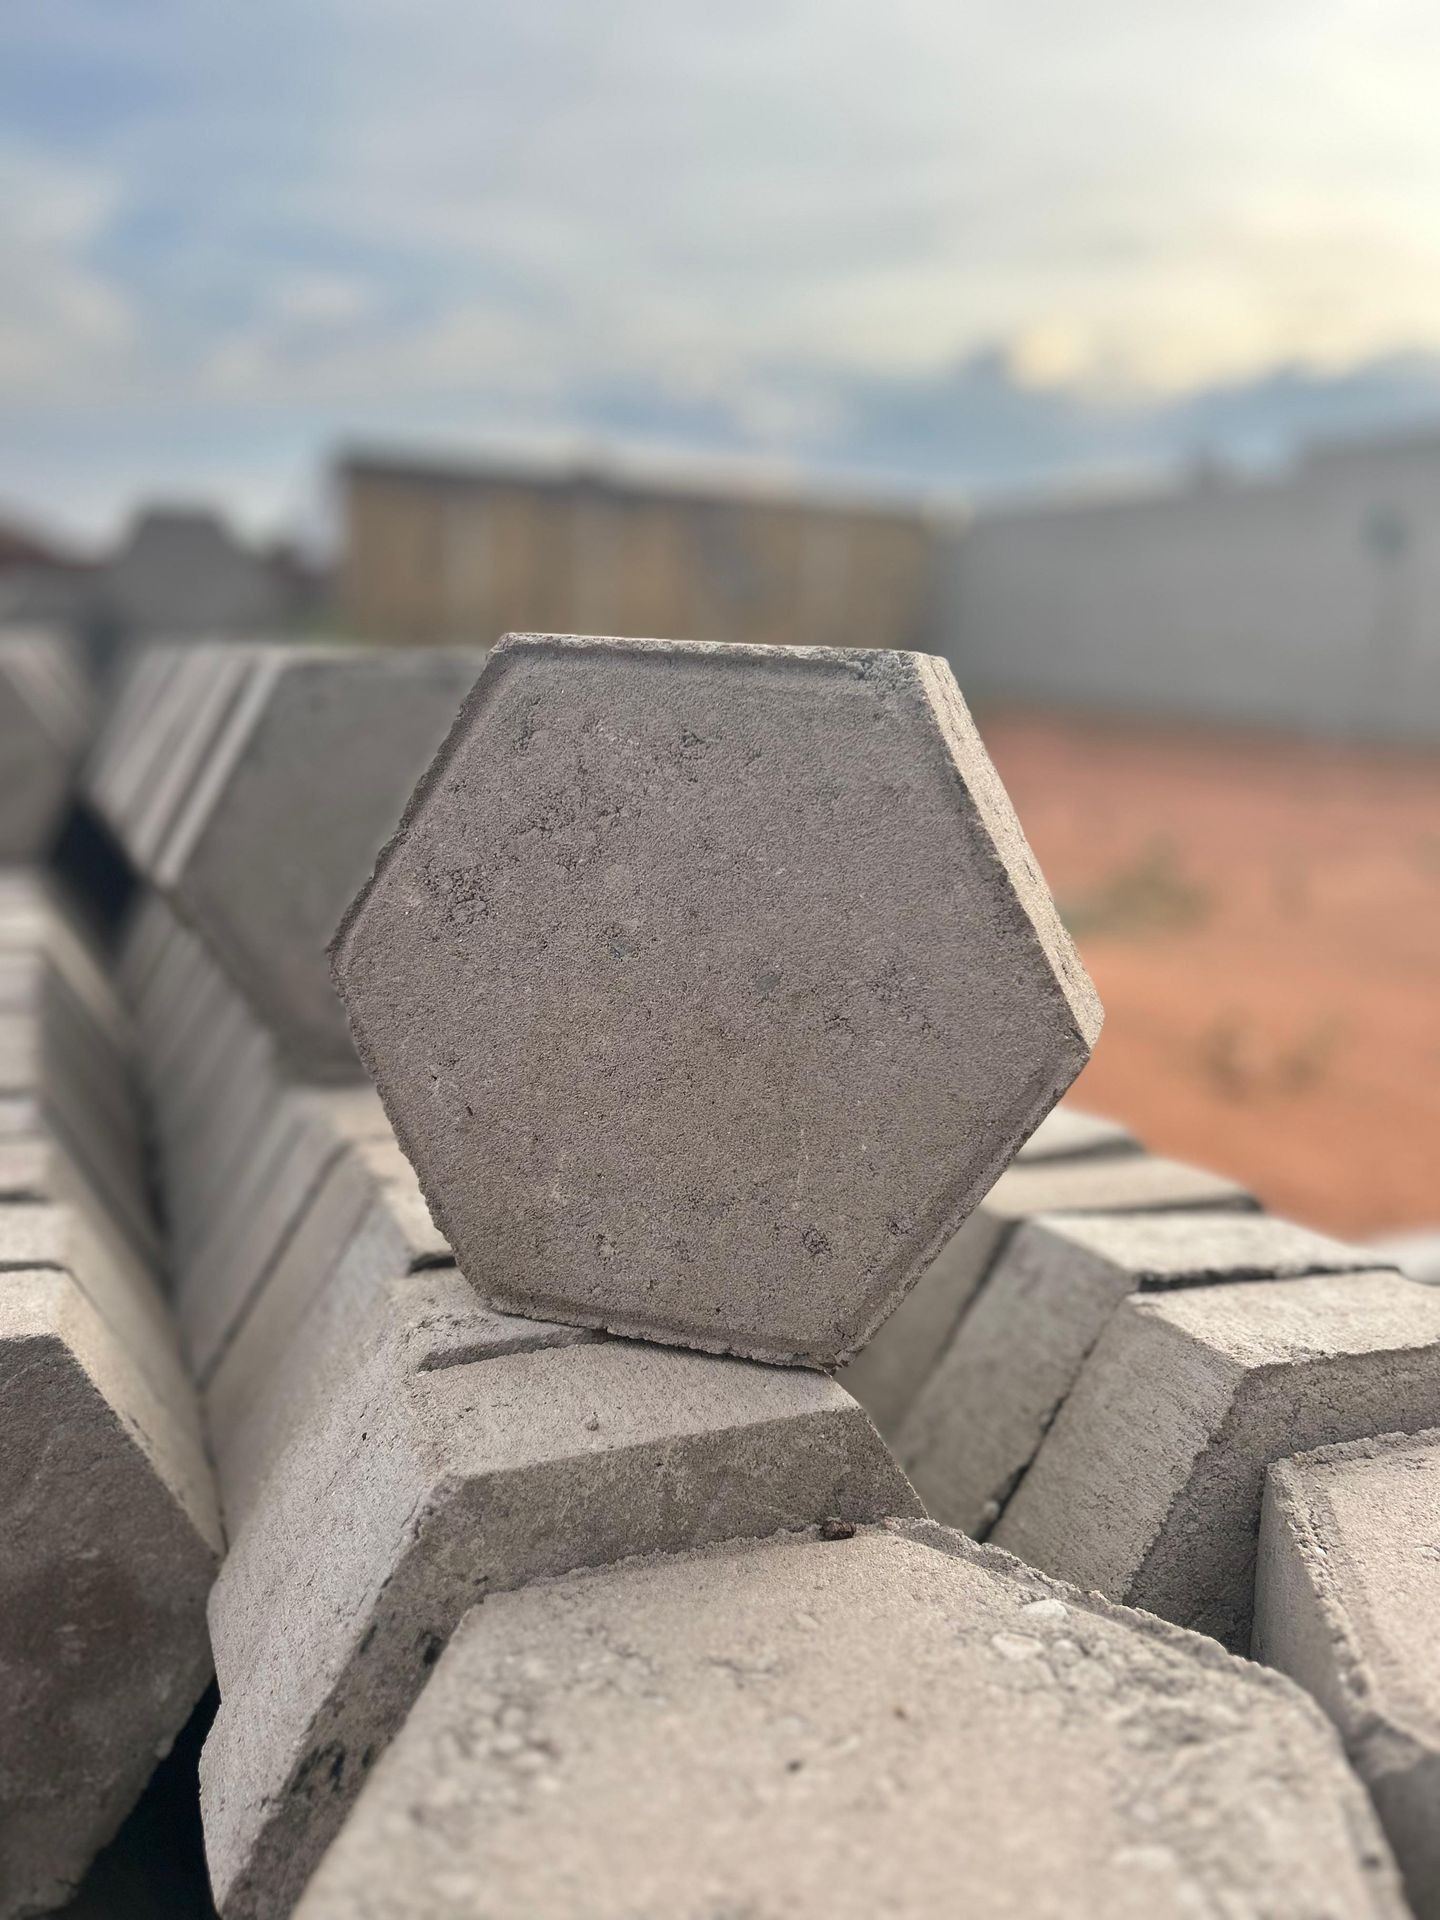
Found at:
(435, 553)
(181, 570)
(178, 572)
(1306, 601)
(41, 582)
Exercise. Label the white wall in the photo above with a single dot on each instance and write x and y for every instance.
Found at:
(1310, 601)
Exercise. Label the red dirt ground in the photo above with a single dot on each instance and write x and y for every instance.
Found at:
(1262, 919)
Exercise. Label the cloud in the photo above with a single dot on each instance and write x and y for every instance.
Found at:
(946, 241)
(60, 320)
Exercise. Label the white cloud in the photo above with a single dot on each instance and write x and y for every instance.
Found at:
(63, 327)
(479, 214)
(321, 300)
(1193, 191)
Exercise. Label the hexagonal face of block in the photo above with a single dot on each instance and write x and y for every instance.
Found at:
(977, 1421)
(1148, 1486)
(306, 779)
(899, 1723)
(709, 987)
(107, 1552)
(1346, 1598)
(403, 1499)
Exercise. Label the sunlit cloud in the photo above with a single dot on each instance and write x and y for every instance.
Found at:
(751, 228)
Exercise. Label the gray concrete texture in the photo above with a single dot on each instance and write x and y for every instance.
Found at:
(45, 718)
(980, 1417)
(295, 1171)
(1069, 1133)
(709, 988)
(387, 1444)
(71, 1238)
(309, 1325)
(888, 1376)
(254, 784)
(1347, 1597)
(1148, 1485)
(108, 1544)
(896, 1723)
(69, 1119)
(66, 1053)
(108, 1531)
(256, 1167)
(462, 1460)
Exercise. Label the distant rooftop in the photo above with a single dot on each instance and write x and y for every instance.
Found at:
(653, 477)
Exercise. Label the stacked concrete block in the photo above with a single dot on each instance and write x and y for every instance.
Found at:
(364, 1233)
(454, 1467)
(973, 1429)
(389, 1444)
(1417, 1254)
(899, 1722)
(1347, 1599)
(250, 1158)
(1148, 1485)
(709, 988)
(66, 1081)
(251, 785)
(108, 1531)
(707, 991)
(1069, 1133)
(1084, 1169)
(45, 717)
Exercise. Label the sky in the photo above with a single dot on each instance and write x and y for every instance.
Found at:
(975, 246)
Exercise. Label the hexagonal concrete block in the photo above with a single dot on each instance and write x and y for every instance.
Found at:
(709, 987)
(1347, 1594)
(1148, 1486)
(899, 1723)
(465, 1455)
(108, 1546)
(44, 720)
(889, 1376)
(978, 1421)
(255, 790)
(1069, 1133)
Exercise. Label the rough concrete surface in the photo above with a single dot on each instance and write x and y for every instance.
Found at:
(122, 1291)
(44, 718)
(1069, 1133)
(108, 1546)
(980, 1416)
(709, 987)
(899, 1723)
(335, 1295)
(886, 1377)
(305, 782)
(1148, 1485)
(471, 1478)
(1347, 1602)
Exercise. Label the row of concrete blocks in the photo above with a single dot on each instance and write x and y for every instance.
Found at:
(1094, 1377)
(252, 785)
(389, 1450)
(45, 719)
(109, 1536)
(387, 1447)
(628, 1741)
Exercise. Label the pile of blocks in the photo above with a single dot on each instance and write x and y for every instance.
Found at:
(109, 1535)
(45, 720)
(696, 1427)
